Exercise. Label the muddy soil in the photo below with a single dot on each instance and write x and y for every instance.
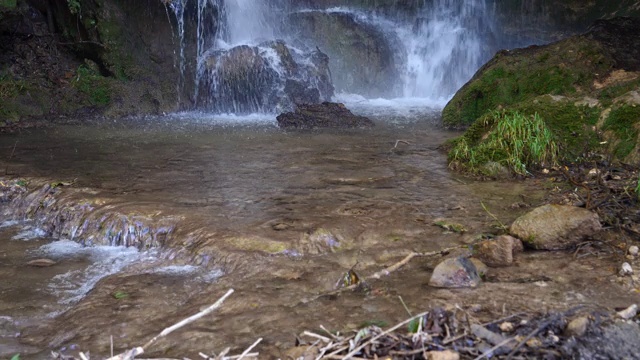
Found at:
(255, 199)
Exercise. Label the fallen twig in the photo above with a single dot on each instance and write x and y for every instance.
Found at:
(190, 319)
(246, 352)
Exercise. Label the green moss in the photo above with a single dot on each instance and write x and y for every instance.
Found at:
(623, 121)
(563, 68)
(608, 94)
(573, 126)
(92, 84)
(8, 4)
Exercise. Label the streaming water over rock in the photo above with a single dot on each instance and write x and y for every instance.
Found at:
(428, 52)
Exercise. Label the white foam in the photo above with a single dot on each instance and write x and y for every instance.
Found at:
(29, 233)
(8, 223)
(225, 119)
(176, 270)
(105, 260)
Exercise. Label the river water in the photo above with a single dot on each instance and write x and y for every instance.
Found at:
(277, 215)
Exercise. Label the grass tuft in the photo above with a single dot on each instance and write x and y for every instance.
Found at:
(513, 140)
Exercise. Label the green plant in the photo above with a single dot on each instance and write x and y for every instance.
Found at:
(638, 188)
(91, 83)
(510, 138)
(8, 4)
(119, 295)
(74, 6)
(15, 357)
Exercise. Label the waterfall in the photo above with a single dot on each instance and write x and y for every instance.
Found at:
(447, 43)
(431, 52)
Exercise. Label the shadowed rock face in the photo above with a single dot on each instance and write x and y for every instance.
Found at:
(325, 115)
(361, 57)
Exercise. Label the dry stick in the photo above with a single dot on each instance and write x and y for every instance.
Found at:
(313, 335)
(489, 352)
(249, 349)
(357, 349)
(383, 272)
(6, 170)
(189, 320)
(406, 260)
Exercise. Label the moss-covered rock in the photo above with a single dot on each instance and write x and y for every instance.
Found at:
(583, 88)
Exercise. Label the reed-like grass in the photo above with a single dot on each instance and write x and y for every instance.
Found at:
(514, 140)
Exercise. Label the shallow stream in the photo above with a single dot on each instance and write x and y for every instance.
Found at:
(277, 215)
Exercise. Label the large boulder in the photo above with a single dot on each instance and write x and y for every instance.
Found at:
(361, 57)
(325, 115)
(265, 78)
(555, 227)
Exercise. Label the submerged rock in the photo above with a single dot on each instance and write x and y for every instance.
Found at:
(362, 58)
(325, 115)
(458, 272)
(555, 227)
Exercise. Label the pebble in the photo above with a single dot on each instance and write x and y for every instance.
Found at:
(506, 327)
(625, 269)
(577, 327)
(443, 355)
(633, 250)
(457, 272)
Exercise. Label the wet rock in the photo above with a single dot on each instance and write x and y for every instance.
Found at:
(362, 58)
(325, 115)
(443, 355)
(498, 252)
(319, 241)
(41, 263)
(268, 77)
(458, 272)
(555, 227)
(577, 327)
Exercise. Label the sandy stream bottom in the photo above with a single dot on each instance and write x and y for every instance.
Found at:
(228, 183)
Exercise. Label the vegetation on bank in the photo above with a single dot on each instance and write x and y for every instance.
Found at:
(505, 139)
(584, 91)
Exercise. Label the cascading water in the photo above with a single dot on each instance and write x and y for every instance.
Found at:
(447, 44)
(239, 67)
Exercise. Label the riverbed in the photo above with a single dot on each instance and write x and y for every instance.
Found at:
(279, 216)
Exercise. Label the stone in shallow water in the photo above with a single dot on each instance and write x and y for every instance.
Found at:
(555, 227)
(325, 115)
(458, 272)
(498, 252)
